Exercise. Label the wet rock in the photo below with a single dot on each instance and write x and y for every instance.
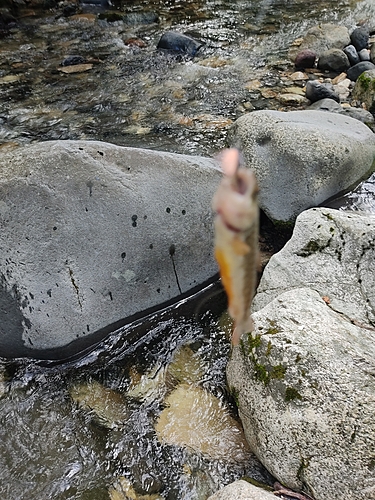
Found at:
(302, 377)
(280, 149)
(242, 490)
(359, 38)
(178, 42)
(333, 60)
(108, 406)
(305, 59)
(187, 366)
(352, 54)
(76, 68)
(93, 235)
(364, 89)
(321, 38)
(134, 18)
(149, 386)
(124, 490)
(364, 55)
(196, 419)
(372, 53)
(354, 72)
(72, 60)
(315, 91)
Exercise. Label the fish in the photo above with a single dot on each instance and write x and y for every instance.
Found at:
(236, 240)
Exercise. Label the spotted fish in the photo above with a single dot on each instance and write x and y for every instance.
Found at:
(236, 239)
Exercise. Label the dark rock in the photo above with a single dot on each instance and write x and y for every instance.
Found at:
(359, 38)
(364, 55)
(334, 60)
(70, 9)
(352, 54)
(315, 91)
(354, 72)
(178, 42)
(305, 59)
(73, 60)
(111, 16)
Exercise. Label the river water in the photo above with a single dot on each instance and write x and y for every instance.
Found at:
(56, 442)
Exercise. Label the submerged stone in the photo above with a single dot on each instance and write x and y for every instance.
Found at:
(108, 406)
(196, 419)
(178, 42)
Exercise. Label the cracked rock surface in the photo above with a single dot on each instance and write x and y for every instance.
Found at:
(93, 234)
(304, 379)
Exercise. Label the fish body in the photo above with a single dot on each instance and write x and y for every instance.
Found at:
(236, 239)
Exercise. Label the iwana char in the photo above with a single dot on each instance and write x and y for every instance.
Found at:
(236, 239)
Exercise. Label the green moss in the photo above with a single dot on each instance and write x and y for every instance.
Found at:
(313, 246)
(272, 330)
(278, 372)
(269, 347)
(291, 394)
(365, 81)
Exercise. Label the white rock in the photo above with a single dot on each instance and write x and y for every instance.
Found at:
(242, 490)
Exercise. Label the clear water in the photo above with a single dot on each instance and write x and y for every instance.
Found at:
(50, 446)
(53, 447)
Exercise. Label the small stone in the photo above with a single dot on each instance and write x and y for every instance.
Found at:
(339, 78)
(298, 76)
(76, 68)
(364, 55)
(333, 60)
(253, 85)
(292, 99)
(73, 60)
(135, 42)
(326, 105)
(352, 54)
(315, 91)
(354, 72)
(268, 93)
(359, 38)
(305, 59)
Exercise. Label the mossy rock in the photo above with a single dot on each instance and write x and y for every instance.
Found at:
(364, 89)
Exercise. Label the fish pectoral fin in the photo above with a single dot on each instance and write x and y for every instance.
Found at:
(240, 247)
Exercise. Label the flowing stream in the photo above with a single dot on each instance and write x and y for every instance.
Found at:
(85, 430)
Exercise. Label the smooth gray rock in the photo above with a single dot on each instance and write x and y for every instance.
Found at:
(352, 54)
(332, 106)
(360, 38)
(302, 158)
(93, 234)
(355, 71)
(333, 60)
(242, 490)
(321, 38)
(304, 379)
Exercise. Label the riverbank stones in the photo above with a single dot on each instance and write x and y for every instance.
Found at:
(302, 158)
(93, 235)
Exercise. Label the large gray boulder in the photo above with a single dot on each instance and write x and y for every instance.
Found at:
(302, 158)
(92, 235)
(304, 379)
